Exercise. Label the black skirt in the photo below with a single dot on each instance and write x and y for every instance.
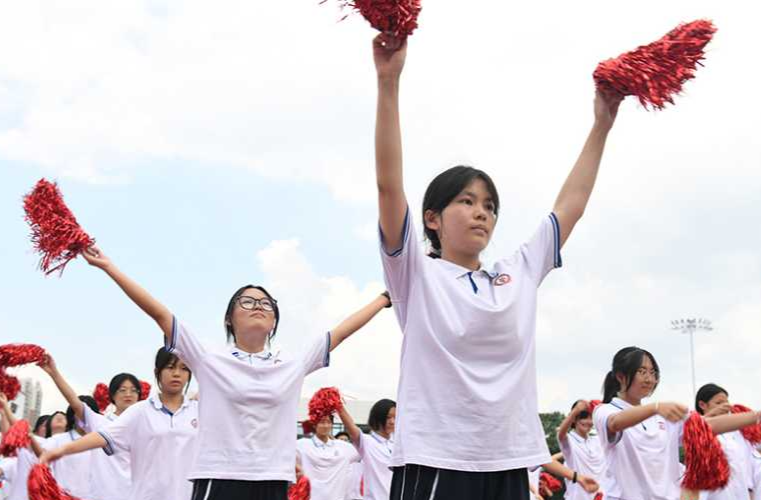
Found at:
(229, 489)
(418, 482)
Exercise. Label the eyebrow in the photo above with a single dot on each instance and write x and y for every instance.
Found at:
(473, 195)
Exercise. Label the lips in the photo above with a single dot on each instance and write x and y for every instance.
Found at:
(480, 229)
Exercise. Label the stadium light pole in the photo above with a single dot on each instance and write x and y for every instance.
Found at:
(690, 326)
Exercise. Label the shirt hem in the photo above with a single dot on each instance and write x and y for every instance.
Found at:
(473, 466)
(245, 476)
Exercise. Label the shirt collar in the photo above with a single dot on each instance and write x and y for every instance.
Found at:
(620, 403)
(319, 444)
(155, 401)
(381, 439)
(457, 271)
(264, 355)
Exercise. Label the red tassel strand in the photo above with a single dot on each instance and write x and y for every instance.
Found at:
(751, 433)
(101, 396)
(9, 385)
(655, 72)
(598, 496)
(324, 403)
(307, 427)
(593, 403)
(16, 437)
(396, 17)
(706, 465)
(301, 490)
(145, 390)
(20, 354)
(56, 235)
(43, 486)
(549, 482)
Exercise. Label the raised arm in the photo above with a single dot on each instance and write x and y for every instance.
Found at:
(48, 366)
(734, 422)
(574, 195)
(87, 442)
(357, 320)
(351, 427)
(630, 417)
(389, 54)
(558, 469)
(568, 420)
(4, 423)
(8, 416)
(152, 307)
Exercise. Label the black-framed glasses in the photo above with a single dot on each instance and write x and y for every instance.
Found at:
(249, 303)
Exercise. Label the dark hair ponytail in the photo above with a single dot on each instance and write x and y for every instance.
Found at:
(444, 188)
(627, 362)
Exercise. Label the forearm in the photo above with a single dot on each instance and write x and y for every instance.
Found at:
(142, 299)
(9, 417)
(558, 469)
(350, 426)
(356, 321)
(565, 425)
(388, 161)
(630, 417)
(69, 394)
(87, 442)
(729, 423)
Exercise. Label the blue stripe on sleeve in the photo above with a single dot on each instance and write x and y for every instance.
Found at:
(397, 252)
(557, 259)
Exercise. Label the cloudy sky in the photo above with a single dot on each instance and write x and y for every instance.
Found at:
(206, 146)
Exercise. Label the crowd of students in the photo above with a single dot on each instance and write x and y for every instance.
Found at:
(465, 423)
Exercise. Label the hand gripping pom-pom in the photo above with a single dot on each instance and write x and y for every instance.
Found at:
(752, 433)
(9, 385)
(56, 235)
(395, 17)
(145, 390)
(43, 486)
(301, 490)
(324, 403)
(101, 396)
(706, 466)
(598, 496)
(550, 482)
(16, 437)
(20, 354)
(654, 73)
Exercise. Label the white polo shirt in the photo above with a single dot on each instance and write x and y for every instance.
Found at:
(376, 451)
(328, 467)
(642, 462)
(25, 459)
(755, 465)
(738, 453)
(110, 475)
(467, 388)
(7, 471)
(161, 446)
(356, 481)
(585, 457)
(248, 406)
(72, 471)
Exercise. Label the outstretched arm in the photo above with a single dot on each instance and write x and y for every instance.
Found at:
(574, 195)
(389, 54)
(729, 423)
(357, 320)
(558, 469)
(351, 427)
(48, 366)
(630, 417)
(152, 307)
(87, 442)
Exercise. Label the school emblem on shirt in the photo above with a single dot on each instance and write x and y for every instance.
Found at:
(502, 279)
(194, 423)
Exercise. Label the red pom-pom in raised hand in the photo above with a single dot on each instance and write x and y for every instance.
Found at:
(20, 354)
(145, 390)
(101, 396)
(751, 433)
(594, 403)
(706, 465)
(16, 437)
(324, 403)
(550, 482)
(301, 490)
(9, 385)
(396, 17)
(55, 232)
(43, 486)
(655, 72)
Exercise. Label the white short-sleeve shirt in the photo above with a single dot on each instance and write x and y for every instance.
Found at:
(72, 471)
(248, 407)
(357, 481)
(585, 457)
(328, 467)
(738, 454)
(110, 475)
(755, 466)
(161, 446)
(25, 459)
(376, 452)
(467, 389)
(642, 462)
(7, 471)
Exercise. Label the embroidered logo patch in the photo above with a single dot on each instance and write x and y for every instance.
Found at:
(502, 279)
(194, 423)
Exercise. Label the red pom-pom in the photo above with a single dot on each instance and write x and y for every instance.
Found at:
(751, 433)
(301, 490)
(598, 496)
(706, 465)
(594, 403)
(324, 403)
(16, 437)
(655, 72)
(55, 232)
(397, 17)
(549, 482)
(9, 385)
(307, 427)
(43, 486)
(145, 390)
(101, 396)
(20, 354)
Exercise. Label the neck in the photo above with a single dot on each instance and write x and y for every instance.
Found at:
(323, 438)
(630, 399)
(251, 344)
(467, 261)
(118, 412)
(382, 433)
(170, 400)
(581, 433)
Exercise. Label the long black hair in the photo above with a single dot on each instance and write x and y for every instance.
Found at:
(165, 358)
(70, 419)
(626, 362)
(706, 393)
(49, 423)
(379, 414)
(444, 188)
(231, 307)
